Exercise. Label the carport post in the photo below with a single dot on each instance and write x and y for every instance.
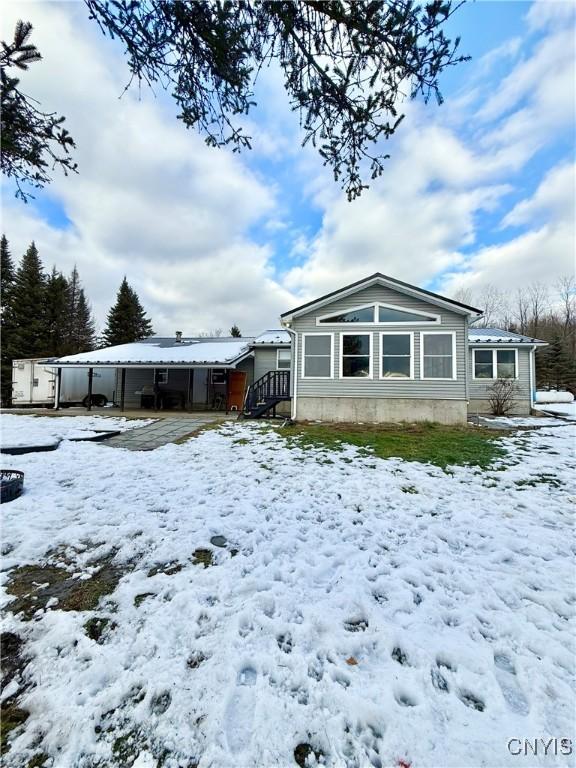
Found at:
(122, 388)
(57, 389)
(90, 378)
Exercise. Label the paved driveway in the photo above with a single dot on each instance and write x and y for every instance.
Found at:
(161, 432)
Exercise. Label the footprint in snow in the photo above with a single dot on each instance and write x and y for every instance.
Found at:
(239, 715)
(506, 678)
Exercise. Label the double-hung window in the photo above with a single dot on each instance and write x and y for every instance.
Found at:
(283, 359)
(495, 364)
(317, 355)
(355, 355)
(437, 355)
(397, 355)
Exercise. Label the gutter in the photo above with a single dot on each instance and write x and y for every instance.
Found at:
(531, 378)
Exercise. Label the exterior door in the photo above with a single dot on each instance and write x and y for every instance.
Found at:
(236, 390)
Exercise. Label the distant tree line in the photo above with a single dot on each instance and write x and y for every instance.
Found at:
(48, 315)
(546, 312)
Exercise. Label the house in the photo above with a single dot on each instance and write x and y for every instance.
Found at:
(378, 350)
(381, 350)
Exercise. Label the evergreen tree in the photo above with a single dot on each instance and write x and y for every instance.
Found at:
(7, 275)
(80, 324)
(57, 314)
(555, 367)
(127, 319)
(28, 337)
(85, 331)
(235, 331)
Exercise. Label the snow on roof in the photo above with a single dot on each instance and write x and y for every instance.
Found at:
(273, 337)
(499, 336)
(138, 353)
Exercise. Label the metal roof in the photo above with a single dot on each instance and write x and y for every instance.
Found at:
(499, 336)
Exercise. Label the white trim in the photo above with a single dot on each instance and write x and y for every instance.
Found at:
(321, 320)
(381, 355)
(285, 349)
(454, 363)
(408, 291)
(370, 360)
(532, 365)
(494, 376)
(317, 378)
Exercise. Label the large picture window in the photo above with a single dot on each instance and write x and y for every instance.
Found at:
(355, 355)
(495, 364)
(317, 356)
(437, 353)
(396, 353)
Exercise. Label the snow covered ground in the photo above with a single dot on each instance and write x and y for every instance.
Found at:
(384, 612)
(16, 431)
(563, 409)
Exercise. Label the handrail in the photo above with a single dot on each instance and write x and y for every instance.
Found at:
(273, 385)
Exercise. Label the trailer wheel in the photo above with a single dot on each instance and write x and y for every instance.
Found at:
(98, 400)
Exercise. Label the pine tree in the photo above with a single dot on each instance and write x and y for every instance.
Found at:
(554, 365)
(127, 319)
(235, 331)
(80, 336)
(7, 276)
(57, 314)
(84, 325)
(28, 337)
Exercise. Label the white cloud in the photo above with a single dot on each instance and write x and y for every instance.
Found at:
(151, 200)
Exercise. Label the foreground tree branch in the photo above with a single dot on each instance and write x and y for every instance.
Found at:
(33, 142)
(347, 66)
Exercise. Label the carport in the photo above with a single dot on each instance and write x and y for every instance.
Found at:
(161, 374)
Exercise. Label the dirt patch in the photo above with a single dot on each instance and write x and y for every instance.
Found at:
(47, 586)
(98, 627)
(13, 662)
(203, 557)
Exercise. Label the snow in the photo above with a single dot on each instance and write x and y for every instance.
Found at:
(273, 337)
(450, 590)
(562, 409)
(553, 396)
(17, 431)
(145, 352)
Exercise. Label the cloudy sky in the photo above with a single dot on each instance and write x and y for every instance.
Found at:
(480, 190)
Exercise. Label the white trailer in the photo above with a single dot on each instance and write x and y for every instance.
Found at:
(34, 384)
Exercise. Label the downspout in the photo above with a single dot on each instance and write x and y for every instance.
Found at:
(532, 367)
(467, 364)
(294, 372)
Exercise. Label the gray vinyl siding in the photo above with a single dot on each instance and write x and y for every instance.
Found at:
(479, 388)
(247, 365)
(376, 387)
(265, 360)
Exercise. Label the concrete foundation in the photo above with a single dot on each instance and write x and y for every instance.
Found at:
(380, 410)
(483, 408)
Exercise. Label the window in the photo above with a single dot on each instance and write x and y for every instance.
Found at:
(161, 376)
(379, 314)
(437, 355)
(495, 363)
(283, 359)
(396, 352)
(392, 315)
(355, 357)
(358, 315)
(317, 356)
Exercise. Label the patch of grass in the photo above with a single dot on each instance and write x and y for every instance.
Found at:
(424, 442)
(34, 586)
(11, 717)
(203, 557)
(542, 478)
(97, 626)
